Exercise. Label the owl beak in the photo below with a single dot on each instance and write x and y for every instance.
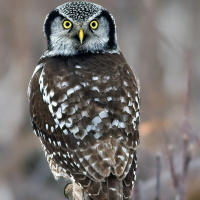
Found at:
(81, 35)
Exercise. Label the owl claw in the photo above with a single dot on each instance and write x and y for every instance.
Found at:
(67, 190)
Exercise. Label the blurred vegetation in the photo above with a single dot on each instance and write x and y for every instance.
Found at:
(161, 40)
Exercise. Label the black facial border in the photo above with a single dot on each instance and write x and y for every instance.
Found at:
(112, 42)
(47, 25)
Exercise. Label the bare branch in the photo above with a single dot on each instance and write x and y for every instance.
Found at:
(172, 170)
(158, 177)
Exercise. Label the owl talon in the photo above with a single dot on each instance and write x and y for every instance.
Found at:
(67, 190)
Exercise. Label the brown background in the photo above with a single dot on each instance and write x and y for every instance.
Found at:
(161, 39)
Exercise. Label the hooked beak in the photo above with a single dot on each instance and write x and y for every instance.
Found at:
(81, 35)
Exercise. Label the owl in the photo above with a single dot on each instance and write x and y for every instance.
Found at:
(84, 103)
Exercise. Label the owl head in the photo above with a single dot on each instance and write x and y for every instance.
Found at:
(80, 27)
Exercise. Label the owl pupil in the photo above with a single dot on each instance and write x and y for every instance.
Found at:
(67, 24)
(93, 24)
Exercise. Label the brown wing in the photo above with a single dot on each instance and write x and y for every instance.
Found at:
(85, 109)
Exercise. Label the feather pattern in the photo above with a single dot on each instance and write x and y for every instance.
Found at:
(85, 109)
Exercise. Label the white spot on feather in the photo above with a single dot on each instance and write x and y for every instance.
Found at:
(69, 123)
(72, 110)
(59, 113)
(78, 165)
(70, 91)
(121, 157)
(64, 106)
(90, 127)
(51, 93)
(74, 130)
(136, 99)
(109, 98)
(125, 84)
(38, 67)
(41, 80)
(84, 173)
(95, 88)
(58, 85)
(97, 99)
(84, 113)
(87, 157)
(63, 84)
(129, 95)
(115, 122)
(50, 108)
(54, 103)
(77, 87)
(65, 132)
(123, 100)
(124, 150)
(137, 114)
(97, 135)
(57, 121)
(130, 103)
(108, 89)
(96, 120)
(115, 88)
(126, 109)
(59, 143)
(103, 114)
(95, 78)
(106, 78)
(61, 124)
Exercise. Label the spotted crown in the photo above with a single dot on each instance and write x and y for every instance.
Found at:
(80, 10)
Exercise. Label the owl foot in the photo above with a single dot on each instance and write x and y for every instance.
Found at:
(68, 189)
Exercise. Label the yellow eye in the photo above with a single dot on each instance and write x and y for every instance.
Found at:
(67, 24)
(94, 24)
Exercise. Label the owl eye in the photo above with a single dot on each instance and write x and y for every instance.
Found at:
(67, 24)
(94, 24)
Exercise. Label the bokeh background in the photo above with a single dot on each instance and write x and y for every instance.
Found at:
(161, 41)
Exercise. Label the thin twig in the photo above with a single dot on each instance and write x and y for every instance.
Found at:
(158, 177)
(186, 155)
(187, 91)
(185, 130)
(186, 160)
(172, 170)
(198, 140)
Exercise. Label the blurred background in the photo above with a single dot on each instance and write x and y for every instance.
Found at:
(161, 41)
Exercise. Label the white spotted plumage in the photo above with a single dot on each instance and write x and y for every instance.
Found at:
(84, 103)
